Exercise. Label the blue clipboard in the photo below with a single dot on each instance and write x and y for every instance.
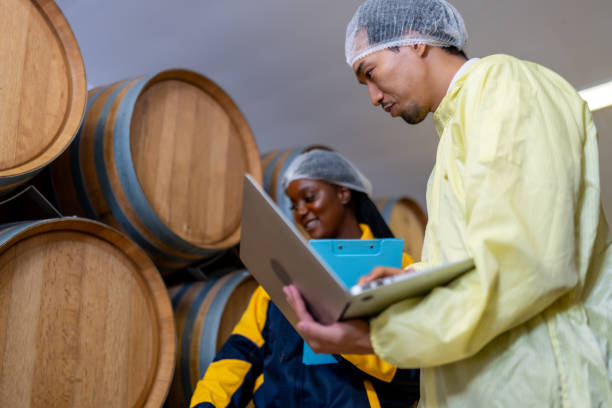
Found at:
(350, 259)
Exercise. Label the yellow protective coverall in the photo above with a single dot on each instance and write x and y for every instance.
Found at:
(515, 186)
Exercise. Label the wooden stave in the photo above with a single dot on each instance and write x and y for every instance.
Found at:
(121, 211)
(72, 196)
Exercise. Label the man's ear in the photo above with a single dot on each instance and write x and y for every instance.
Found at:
(344, 195)
(421, 50)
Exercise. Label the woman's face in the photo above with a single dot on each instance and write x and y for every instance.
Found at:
(320, 207)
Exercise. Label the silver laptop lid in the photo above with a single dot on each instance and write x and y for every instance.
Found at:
(276, 254)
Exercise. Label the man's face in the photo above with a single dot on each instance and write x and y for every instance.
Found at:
(396, 82)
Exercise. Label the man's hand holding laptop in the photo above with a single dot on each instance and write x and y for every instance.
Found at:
(346, 337)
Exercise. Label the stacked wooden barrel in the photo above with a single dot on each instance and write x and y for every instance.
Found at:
(162, 158)
(85, 318)
(205, 313)
(407, 221)
(42, 88)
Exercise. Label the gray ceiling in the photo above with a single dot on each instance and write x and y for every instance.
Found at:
(282, 61)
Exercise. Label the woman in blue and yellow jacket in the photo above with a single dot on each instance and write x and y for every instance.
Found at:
(263, 358)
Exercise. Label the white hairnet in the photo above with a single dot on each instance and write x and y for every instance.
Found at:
(328, 166)
(379, 24)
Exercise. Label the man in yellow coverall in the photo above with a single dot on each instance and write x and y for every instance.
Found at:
(515, 186)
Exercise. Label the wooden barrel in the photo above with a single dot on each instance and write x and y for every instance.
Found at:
(42, 88)
(274, 164)
(406, 220)
(205, 314)
(161, 157)
(85, 319)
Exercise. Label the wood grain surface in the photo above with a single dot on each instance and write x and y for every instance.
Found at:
(85, 319)
(42, 86)
(407, 220)
(191, 148)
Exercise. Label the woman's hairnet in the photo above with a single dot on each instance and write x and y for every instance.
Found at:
(327, 166)
(379, 24)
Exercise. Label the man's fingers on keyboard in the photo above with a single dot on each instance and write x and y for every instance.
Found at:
(376, 273)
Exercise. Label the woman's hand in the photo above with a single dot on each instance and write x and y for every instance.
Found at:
(381, 272)
(349, 337)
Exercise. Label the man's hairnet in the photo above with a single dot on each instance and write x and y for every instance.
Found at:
(380, 24)
(327, 166)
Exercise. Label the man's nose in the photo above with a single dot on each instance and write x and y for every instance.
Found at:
(376, 95)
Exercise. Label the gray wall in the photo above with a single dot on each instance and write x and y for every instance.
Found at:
(283, 63)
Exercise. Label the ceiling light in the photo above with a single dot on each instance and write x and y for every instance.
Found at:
(599, 96)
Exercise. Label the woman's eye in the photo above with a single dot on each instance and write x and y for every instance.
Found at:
(309, 199)
(368, 74)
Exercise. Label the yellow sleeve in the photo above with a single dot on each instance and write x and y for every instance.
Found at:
(253, 320)
(518, 185)
(406, 260)
(372, 365)
(237, 370)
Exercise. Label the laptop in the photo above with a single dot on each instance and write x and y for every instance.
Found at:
(276, 254)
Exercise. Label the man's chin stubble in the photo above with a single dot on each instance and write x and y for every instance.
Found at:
(414, 117)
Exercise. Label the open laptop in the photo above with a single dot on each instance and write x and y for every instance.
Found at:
(277, 255)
